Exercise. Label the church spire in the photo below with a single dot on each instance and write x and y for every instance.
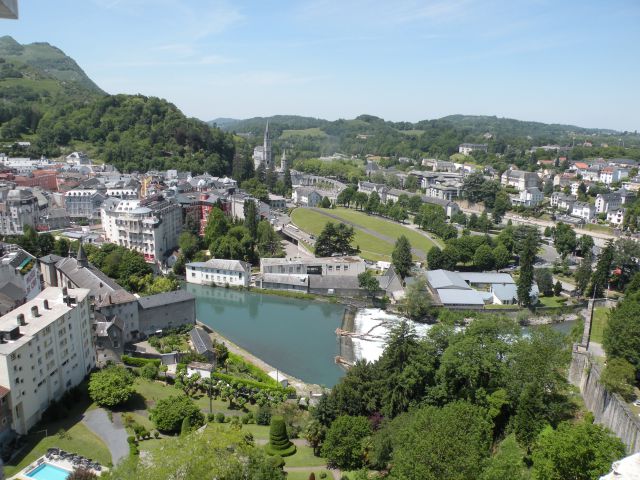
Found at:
(82, 257)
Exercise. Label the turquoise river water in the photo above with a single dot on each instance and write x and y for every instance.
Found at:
(295, 336)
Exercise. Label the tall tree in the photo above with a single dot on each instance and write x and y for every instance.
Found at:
(217, 226)
(602, 273)
(564, 239)
(582, 275)
(251, 218)
(368, 282)
(527, 260)
(401, 257)
(621, 337)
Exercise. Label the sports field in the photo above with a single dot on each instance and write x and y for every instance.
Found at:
(374, 235)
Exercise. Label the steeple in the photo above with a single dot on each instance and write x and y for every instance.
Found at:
(283, 160)
(267, 158)
(82, 257)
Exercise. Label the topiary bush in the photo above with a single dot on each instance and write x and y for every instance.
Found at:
(170, 412)
(279, 443)
(263, 416)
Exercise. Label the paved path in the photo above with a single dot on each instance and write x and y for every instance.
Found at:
(113, 434)
(385, 238)
(596, 349)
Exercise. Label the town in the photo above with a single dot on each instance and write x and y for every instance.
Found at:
(293, 297)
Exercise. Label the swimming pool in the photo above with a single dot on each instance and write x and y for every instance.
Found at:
(46, 471)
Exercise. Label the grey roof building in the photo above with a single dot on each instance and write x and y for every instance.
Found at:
(202, 343)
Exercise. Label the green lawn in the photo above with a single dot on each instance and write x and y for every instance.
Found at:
(314, 132)
(154, 391)
(305, 475)
(78, 438)
(304, 457)
(594, 227)
(371, 248)
(553, 301)
(600, 318)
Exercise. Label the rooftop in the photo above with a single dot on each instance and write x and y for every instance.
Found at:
(153, 301)
(221, 263)
(57, 308)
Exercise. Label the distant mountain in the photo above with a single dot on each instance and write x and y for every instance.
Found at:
(223, 122)
(41, 62)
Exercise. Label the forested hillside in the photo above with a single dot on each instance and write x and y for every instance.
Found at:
(50, 101)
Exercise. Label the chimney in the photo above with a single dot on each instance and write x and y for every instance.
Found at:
(34, 311)
(45, 304)
(21, 322)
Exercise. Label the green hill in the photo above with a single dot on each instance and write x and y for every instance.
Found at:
(48, 99)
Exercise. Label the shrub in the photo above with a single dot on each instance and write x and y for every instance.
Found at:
(111, 387)
(279, 443)
(220, 417)
(312, 476)
(277, 461)
(156, 434)
(82, 474)
(169, 413)
(323, 474)
(185, 429)
(618, 377)
(139, 362)
(263, 416)
(149, 371)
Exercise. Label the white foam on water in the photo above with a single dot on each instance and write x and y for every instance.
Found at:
(373, 324)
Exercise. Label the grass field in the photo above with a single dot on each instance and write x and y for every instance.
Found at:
(600, 318)
(372, 248)
(594, 227)
(307, 132)
(553, 301)
(305, 475)
(304, 457)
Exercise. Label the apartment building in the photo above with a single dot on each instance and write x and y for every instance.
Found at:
(218, 271)
(606, 202)
(562, 201)
(150, 226)
(583, 210)
(19, 277)
(520, 179)
(46, 348)
(610, 175)
(18, 208)
(530, 197)
(84, 202)
(469, 148)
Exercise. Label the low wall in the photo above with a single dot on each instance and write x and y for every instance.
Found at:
(608, 409)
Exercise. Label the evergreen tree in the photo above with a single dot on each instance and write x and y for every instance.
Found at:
(325, 243)
(288, 184)
(600, 277)
(582, 275)
(401, 257)
(251, 218)
(527, 260)
(217, 226)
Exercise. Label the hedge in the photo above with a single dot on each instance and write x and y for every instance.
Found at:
(138, 361)
(252, 383)
(254, 371)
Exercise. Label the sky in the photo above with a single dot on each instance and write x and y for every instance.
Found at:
(555, 61)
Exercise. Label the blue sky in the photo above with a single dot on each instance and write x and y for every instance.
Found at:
(548, 60)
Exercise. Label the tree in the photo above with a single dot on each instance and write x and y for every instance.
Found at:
(111, 386)
(279, 443)
(501, 205)
(325, 202)
(189, 244)
(373, 203)
(502, 257)
(582, 275)
(582, 451)
(335, 240)
(218, 452)
(315, 434)
(268, 243)
(544, 279)
(429, 444)
(170, 412)
(82, 473)
(434, 258)
(621, 337)
(619, 376)
(251, 218)
(401, 257)
(601, 275)
(585, 245)
(288, 184)
(507, 463)
(416, 299)
(564, 239)
(346, 196)
(343, 446)
(484, 259)
(367, 281)
(557, 288)
(525, 280)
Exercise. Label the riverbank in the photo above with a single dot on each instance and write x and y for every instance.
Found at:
(303, 389)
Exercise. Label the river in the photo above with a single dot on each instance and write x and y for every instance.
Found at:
(296, 336)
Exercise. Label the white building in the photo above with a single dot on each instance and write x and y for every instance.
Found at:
(345, 266)
(218, 271)
(610, 175)
(306, 196)
(530, 197)
(84, 202)
(151, 226)
(469, 148)
(606, 202)
(520, 179)
(46, 349)
(616, 217)
(18, 208)
(562, 201)
(19, 276)
(583, 210)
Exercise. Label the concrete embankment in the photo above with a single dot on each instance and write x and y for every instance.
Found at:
(303, 389)
(609, 409)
